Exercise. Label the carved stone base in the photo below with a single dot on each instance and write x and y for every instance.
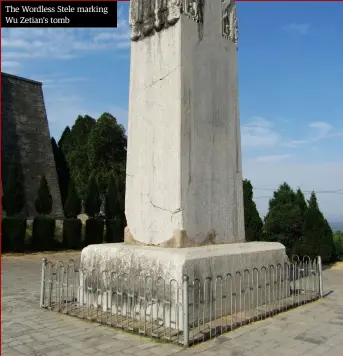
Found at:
(167, 267)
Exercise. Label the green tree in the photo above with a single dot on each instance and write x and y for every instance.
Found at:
(13, 193)
(252, 219)
(301, 201)
(318, 238)
(80, 131)
(76, 151)
(62, 170)
(43, 203)
(93, 201)
(299, 247)
(107, 150)
(64, 142)
(72, 206)
(284, 222)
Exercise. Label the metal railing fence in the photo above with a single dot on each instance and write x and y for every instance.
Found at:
(185, 311)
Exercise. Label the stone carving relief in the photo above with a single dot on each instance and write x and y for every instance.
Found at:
(149, 16)
(194, 9)
(229, 21)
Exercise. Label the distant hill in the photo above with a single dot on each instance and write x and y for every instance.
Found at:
(336, 225)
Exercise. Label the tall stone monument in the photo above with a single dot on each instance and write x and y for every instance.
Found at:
(184, 172)
(184, 199)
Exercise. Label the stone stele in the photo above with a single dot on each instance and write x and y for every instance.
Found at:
(184, 170)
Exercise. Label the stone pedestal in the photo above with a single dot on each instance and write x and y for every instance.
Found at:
(146, 283)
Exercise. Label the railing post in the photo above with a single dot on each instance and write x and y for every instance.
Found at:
(185, 303)
(320, 274)
(42, 286)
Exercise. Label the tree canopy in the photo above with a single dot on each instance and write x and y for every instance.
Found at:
(284, 220)
(95, 147)
(318, 239)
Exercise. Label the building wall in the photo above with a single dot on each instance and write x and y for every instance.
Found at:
(26, 137)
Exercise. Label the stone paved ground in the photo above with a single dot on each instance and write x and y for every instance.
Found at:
(314, 329)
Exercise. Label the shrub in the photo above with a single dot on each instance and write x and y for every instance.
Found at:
(114, 230)
(13, 234)
(112, 200)
(43, 233)
(13, 199)
(43, 203)
(72, 207)
(94, 231)
(72, 234)
(338, 241)
(93, 202)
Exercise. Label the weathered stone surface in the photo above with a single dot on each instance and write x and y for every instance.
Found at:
(170, 264)
(148, 17)
(184, 173)
(151, 16)
(26, 136)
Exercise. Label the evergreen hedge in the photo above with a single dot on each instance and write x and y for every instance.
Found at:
(43, 233)
(72, 229)
(114, 231)
(93, 201)
(72, 207)
(13, 199)
(13, 234)
(94, 233)
(43, 203)
(337, 241)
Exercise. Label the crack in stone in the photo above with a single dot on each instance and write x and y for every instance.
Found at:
(164, 77)
(178, 210)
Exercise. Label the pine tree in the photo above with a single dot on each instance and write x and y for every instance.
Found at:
(299, 247)
(284, 222)
(318, 234)
(252, 220)
(93, 201)
(72, 206)
(43, 203)
(301, 201)
(64, 142)
(62, 170)
(13, 193)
